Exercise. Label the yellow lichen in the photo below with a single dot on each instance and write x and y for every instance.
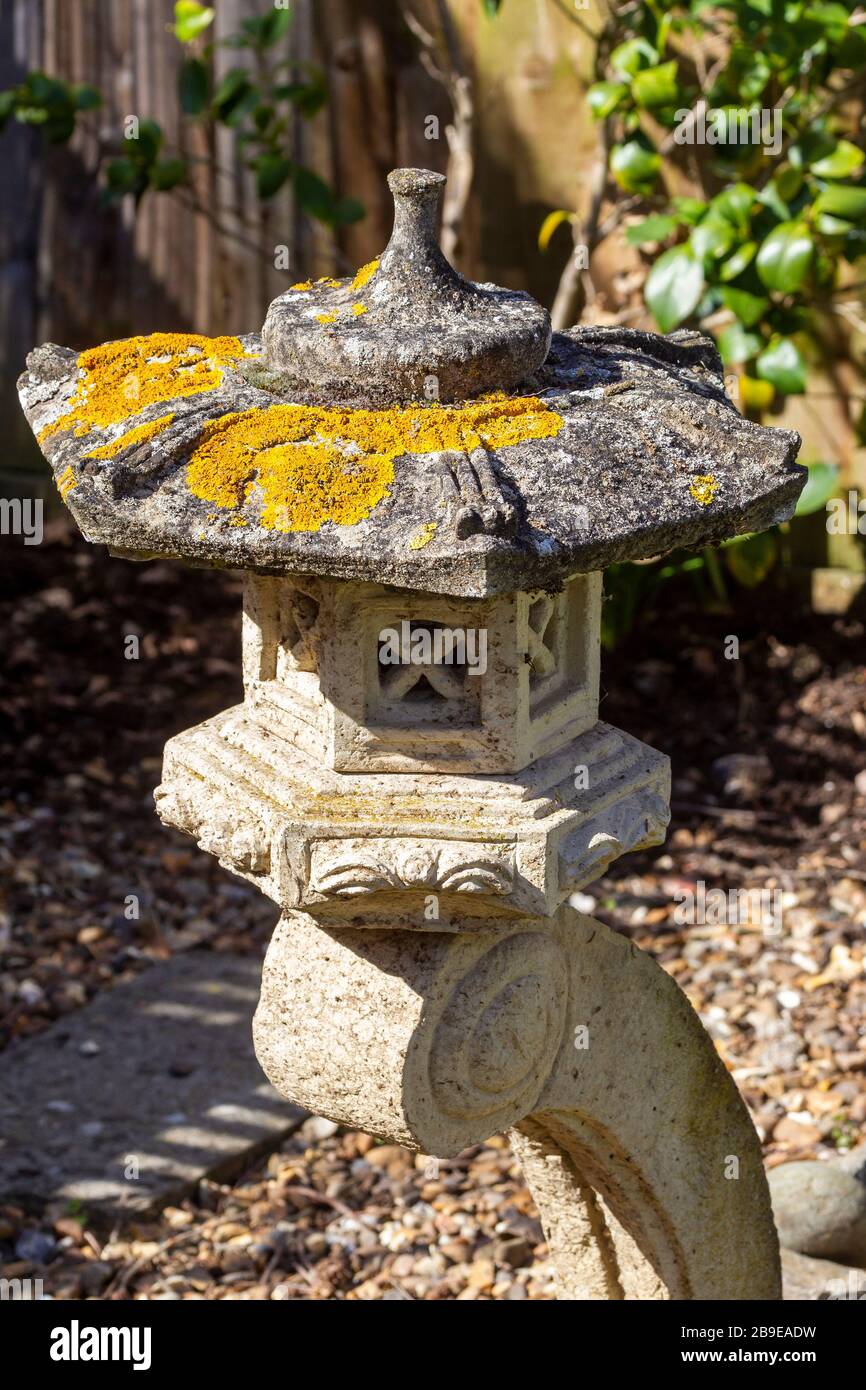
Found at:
(314, 464)
(365, 274)
(121, 379)
(704, 489)
(134, 436)
(303, 285)
(359, 309)
(326, 318)
(424, 536)
(66, 482)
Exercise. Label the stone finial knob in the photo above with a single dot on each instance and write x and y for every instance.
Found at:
(407, 326)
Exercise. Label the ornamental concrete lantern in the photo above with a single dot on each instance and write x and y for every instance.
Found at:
(422, 486)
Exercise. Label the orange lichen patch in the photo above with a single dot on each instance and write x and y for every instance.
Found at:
(66, 482)
(313, 464)
(365, 274)
(121, 379)
(359, 309)
(302, 285)
(326, 318)
(704, 489)
(134, 436)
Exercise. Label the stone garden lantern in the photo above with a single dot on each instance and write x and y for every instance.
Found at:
(422, 487)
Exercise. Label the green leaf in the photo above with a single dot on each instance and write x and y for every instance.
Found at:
(605, 97)
(635, 165)
(788, 182)
(124, 176)
(842, 200)
(832, 18)
(233, 95)
(633, 55)
(751, 560)
(748, 307)
(552, 221)
(736, 264)
(656, 228)
(819, 488)
(347, 210)
(314, 195)
(491, 7)
(674, 287)
(737, 345)
(689, 210)
(656, 86)
(770, 198)
(60, 126)
(845, 160)
(191, 19)
(735, 204)
(147, 144)
(785, 257)
(271, 172)
(274, 26)
(168, 173)
(193, 86)
(86, 98)
(310, 96)
(712, 238)
(783, 365)
(832, 226)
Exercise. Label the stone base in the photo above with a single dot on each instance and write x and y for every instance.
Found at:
(635, 1142)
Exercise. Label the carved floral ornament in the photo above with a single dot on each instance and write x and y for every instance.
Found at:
(352, 868)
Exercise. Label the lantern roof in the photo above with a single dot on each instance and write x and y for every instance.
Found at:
(407, 427)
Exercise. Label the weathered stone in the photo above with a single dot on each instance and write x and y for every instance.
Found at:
(407, 327)
(620, 445)
(640, 421)
(820, 1210)
(560, 1027)
(421, 817)
(74, 1126)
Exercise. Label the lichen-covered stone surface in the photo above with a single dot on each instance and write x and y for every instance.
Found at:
(622, 446)
(407, 325)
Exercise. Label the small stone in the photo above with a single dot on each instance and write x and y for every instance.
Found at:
(853, 1162)
(35, 1246)
(317, 1128)
(514, 1251)
(799, 1134)
(743, 775)
(383, 1155)
(94, 1276)
(820, 1210)
(316, 1245)
(482, 1275)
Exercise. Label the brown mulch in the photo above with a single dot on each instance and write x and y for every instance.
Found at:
(333, 1214)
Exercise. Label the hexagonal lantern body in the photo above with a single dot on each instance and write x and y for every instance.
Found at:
(376, 679)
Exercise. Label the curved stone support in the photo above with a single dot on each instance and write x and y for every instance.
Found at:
(634, 1140)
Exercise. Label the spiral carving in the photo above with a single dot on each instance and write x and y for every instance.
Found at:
(500, 1031)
